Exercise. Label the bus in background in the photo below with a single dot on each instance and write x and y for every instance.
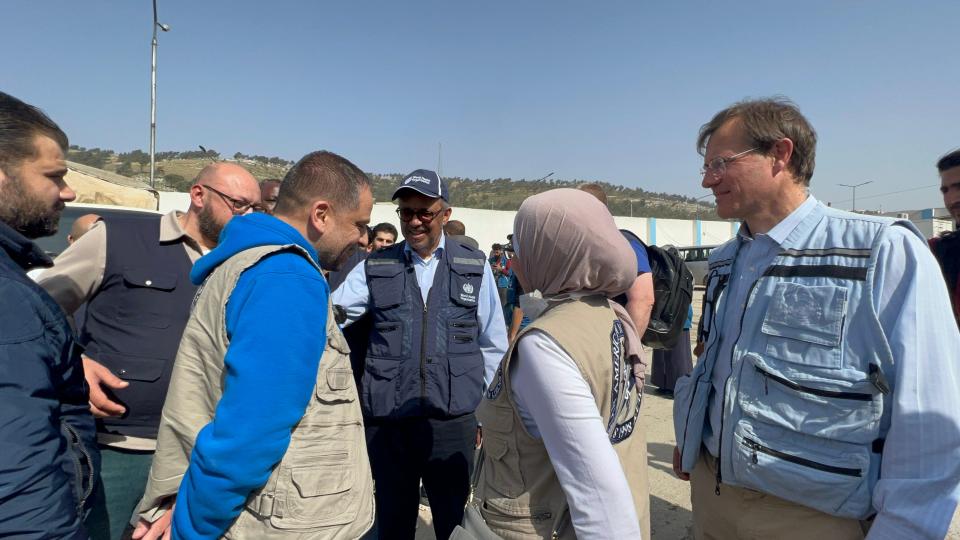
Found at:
(695, 257)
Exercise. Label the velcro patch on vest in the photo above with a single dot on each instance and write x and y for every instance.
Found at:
(469, 262)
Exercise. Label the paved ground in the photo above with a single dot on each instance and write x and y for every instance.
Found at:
(670, 516)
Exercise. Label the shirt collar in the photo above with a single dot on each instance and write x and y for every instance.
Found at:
(436, 253)
(786, 226)
(170, 229)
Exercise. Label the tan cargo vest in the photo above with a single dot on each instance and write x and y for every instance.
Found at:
(322, 488)
(521, 496)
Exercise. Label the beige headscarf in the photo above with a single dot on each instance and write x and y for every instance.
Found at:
(568, 246)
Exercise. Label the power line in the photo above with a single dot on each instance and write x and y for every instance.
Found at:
(890, 193)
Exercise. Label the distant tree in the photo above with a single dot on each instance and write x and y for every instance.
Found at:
(177, 182)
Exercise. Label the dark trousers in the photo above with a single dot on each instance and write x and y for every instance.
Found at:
(404, 451)
(123, 477)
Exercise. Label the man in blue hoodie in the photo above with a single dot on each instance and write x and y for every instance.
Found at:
(267, 404)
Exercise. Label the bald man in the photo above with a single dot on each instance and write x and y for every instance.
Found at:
(82, 226)
(134, 276)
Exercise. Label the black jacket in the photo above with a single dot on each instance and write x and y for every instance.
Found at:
(48, 453)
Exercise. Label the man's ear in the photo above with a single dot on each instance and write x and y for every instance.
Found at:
(782, 151)
(446, 215)
(321, 216)
(196, 195)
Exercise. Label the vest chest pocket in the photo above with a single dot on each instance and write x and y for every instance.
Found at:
(502, 467)
(386, 340)
(804, 324)
(140, 306)
(465, 285)
(385, 282)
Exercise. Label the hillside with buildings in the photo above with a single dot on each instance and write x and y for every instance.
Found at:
(175, 171)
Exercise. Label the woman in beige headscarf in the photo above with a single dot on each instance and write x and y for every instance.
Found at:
(563, 449)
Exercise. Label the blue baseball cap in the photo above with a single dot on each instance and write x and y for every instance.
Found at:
(426, 183)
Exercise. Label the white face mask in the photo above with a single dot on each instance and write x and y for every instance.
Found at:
(533, 304)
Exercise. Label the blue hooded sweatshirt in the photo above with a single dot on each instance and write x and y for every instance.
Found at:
(275, 320)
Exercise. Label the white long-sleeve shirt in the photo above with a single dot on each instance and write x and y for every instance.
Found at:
(556, 404)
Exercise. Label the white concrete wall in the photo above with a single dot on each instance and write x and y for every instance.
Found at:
(715, 232)
(933, 227)
(676, 232)
(637, 225)
(174, 200)
(490, 226)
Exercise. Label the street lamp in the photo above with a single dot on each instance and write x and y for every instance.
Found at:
(153, 95)
(854, 187)
(698, 199)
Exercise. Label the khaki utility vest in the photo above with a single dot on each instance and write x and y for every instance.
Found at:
(520, 493)
(322, 488)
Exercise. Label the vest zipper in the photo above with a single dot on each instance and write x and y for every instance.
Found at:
(713, 314)
(757, 447)
(86, 455)
(808, 390)
(723, 401)
(423, 351)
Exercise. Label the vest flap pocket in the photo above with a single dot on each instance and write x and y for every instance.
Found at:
(385, 282)
(325, 479)
(465, 286)
(133, 368)
(827, 475)
(502, 467)
(149, 278)
(807, 313)
(804, 324)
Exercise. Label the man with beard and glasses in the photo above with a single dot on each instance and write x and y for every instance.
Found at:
(48, 452)
(133, 274)
(262, 435)
(437, 336)
(946, 247)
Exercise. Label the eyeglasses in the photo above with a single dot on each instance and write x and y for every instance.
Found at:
(237, 206)
(424, 215)
(718, 165)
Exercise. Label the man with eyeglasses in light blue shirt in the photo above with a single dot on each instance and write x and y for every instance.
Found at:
(824, 404)
(437, 337)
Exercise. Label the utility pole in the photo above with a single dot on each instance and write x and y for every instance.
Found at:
(153, 95)
(854, 187)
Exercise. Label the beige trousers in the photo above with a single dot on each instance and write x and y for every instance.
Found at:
(739, 513)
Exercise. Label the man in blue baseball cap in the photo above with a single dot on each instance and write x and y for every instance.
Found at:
(437, 336)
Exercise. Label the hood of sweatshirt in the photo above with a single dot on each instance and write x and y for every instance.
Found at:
(245, 232)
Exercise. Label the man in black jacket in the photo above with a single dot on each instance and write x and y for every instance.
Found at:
(48, 453)
(947, 246)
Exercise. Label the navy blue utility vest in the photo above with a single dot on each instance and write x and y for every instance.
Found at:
(135, 320)
(423, 360)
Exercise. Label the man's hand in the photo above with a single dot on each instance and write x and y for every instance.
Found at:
(676, 466)
(158, 530)
(97, 374)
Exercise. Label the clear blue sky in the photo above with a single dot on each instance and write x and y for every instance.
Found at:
(611, 91)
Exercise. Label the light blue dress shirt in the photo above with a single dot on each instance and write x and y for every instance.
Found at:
(920, 474)
(354, 297)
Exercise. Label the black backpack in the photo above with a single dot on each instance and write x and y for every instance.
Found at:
(672, 294)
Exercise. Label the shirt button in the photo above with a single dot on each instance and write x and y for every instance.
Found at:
(148, 283)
